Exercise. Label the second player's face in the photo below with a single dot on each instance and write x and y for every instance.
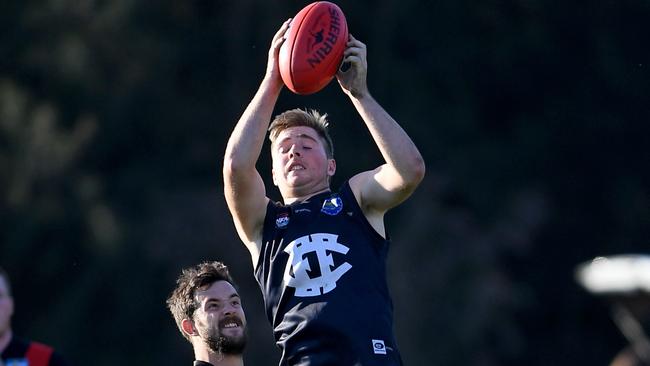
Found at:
(220, 320)
(300, 162)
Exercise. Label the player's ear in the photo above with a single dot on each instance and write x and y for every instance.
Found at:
(188, 327)
(331, 167)
(275, 182)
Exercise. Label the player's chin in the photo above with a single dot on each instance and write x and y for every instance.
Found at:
(296, 179)
(233, 332)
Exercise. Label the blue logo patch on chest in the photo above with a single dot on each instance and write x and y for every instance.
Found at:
(332, 205)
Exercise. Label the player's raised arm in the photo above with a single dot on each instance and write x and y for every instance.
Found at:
(243, 187)
(393, 182)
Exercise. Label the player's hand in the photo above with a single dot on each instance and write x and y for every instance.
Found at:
(272, 67)
(354, 69)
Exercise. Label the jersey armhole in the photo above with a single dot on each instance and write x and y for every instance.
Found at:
(271, 209)
(348, 195)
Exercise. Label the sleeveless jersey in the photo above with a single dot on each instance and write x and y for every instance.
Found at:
(322, 271)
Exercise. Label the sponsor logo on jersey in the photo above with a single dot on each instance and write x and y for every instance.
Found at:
(316, 250)
(378, 347)
(282, 220)
(332, 205)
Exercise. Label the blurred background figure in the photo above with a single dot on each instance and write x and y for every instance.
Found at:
(15, 351)
(624, 281)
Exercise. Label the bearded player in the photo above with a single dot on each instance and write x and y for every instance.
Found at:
(208, 312)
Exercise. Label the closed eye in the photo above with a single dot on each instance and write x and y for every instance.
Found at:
(213, 305)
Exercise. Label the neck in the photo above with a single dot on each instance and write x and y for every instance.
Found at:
(5, 338)
(218, 359)
(289, 199)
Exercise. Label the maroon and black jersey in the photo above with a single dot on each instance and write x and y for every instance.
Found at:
(20, 352)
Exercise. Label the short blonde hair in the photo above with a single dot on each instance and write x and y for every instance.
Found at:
(299, 117)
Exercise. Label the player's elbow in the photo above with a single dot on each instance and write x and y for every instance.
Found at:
(229, 166)
(232, 168)
(410, 175)
(416, 172)
(234, 165)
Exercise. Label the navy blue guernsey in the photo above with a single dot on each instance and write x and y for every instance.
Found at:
(322, 271)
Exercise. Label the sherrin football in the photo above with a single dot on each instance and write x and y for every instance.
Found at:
(313, 49)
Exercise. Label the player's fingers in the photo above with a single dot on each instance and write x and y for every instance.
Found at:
(354, 51)
(279, 37)
(281, 32)
(278, 42)
(352, 60)
(353, 42)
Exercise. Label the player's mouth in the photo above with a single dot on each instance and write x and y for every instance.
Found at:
(295, 167)
(230, 323)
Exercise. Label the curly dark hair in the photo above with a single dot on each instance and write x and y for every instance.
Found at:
(182, 301)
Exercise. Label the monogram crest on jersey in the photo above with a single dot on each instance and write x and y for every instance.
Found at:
(310, 281)
(332, 205)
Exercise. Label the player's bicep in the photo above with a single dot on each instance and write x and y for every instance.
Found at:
(246, 199)
(380, 189)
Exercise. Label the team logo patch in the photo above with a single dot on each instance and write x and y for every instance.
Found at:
(282, 220)
(332, 206)
(378, 347)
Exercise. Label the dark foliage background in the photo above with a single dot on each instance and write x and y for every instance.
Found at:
(532, 116)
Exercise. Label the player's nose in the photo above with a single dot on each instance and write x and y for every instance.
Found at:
(294, 151)
(228, 309)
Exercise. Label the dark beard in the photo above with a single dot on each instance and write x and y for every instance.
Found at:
(226, 345)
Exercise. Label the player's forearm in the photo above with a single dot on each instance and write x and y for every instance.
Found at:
(247, 139)
(396, 147)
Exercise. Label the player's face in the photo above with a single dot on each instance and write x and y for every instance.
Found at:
(220, 319)
(300, 162)
(6, 307)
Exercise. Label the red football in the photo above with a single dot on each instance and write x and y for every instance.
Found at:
(313, 48)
